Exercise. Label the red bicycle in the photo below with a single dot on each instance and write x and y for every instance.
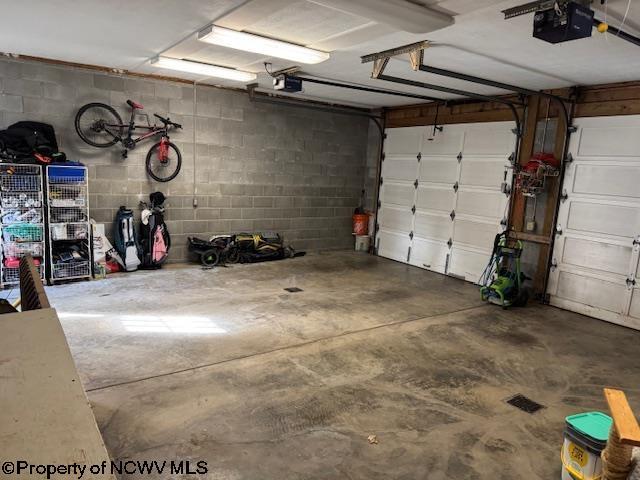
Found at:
(100, 125)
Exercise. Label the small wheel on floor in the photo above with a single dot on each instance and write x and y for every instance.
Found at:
(233, 256)
(210, 258)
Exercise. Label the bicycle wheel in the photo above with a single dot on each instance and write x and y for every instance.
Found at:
(99, 125)
(210, 258)
(164, 169)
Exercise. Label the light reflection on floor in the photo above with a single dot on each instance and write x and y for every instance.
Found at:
(158, 323)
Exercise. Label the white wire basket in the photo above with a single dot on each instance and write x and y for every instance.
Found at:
(20, 183)
(69, 231)
(71, 270)
(11, 276)
(20, 169)
(68, 195)
(11, 216)
(22, 232)
(20, 200)
(17, 250)
(70, 180)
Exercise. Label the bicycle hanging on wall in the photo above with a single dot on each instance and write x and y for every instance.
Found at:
(100, 125)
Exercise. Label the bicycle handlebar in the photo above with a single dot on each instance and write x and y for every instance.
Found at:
(166, 121)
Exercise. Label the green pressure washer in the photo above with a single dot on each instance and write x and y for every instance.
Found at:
(502, 281)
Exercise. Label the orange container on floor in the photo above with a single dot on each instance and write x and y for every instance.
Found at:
(361, 224)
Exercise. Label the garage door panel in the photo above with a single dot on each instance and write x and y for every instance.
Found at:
(396, 218)
(473, 156)
(489, 139)
(482, 173)
(480, 235)
(434, 198)
(393, 245)
(602, 218)
(591, 291)
(481, 203)
(634, 311)
(429, 254)
(614, 141)
(400, 169)
(467, 263)
(435, 227)
(438, 170)
(403, 141)
(597, 255)
(447, 142)
(613, 180)
(397, 194)
(594, 255)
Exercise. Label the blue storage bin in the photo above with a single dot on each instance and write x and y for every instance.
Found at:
(66, 174)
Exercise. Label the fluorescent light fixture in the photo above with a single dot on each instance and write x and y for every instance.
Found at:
(255, 43)
(203, 69)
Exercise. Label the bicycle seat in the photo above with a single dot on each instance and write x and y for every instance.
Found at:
(135, 105)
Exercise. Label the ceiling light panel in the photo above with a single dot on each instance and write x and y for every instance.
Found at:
(306, 23)
(203, 69)
(265, 46)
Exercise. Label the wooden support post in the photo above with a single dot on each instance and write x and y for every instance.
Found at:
(624, 434)
(553, 197)
(623, 417)
(517, 220)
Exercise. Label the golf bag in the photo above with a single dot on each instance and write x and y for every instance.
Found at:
(154, 234)
(125, 239)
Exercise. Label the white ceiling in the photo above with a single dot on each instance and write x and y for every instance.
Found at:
(124, 34)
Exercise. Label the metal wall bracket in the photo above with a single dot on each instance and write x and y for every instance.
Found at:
(419, 157)
(449, 243)
(631, 282)
(568, 159)
(558, 230)
(564, 196)
(459, 157)
(415, 184)
(456, 186)
(452, 215)
(411, 235)
(416, 58)
(572, 129)
(413, 209)
(554, 264)
(394, 52)
(381, 181)
(378, 67)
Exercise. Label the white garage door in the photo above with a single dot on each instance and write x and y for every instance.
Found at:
(440, 200)
(595, 258)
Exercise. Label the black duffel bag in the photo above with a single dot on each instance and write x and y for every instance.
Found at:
(24, 141)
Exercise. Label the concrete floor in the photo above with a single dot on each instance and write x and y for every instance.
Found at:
(225, 366)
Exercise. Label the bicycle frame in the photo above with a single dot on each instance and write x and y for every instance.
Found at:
(131, 127)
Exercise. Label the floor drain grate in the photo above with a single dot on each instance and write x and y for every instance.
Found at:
(293, 289)
(525, 404)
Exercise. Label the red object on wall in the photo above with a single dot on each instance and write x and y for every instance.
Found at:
(361, 224)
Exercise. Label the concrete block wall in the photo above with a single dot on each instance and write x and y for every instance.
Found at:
(252, 166)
